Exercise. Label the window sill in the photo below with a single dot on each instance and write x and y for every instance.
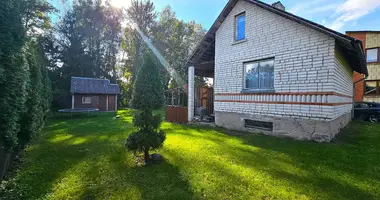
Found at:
(375, 62)
(239, 41)
(257, 91)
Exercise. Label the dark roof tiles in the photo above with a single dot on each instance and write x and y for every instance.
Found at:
(85, 85)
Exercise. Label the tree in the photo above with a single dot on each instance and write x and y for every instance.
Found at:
(38, 93)
(148, 94)
(140, 14)
(86, 43)
(21, 89)
(13, 73)
(176, 39)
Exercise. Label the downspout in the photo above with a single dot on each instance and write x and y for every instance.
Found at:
(353, 96)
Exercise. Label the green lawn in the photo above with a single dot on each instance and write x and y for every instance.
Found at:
(85, 158)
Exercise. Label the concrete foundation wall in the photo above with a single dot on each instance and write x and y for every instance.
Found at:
(296, 128)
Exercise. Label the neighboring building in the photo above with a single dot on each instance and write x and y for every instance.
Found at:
(277, 73)
(94, 93)
(368, 90)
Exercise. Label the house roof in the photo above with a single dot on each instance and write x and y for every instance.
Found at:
(364, 31)
(83, 85)
(352, 48)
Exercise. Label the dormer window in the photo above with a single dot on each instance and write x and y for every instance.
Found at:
(240, 27)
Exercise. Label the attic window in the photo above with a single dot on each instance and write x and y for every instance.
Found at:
(267, 126)
(240, 27)
(86, 100)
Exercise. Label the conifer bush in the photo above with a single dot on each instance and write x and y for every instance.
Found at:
(148, 94)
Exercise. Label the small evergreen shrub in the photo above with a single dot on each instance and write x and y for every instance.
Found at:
(148, 94)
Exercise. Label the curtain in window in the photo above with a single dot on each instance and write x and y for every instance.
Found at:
(252, 75)
(266, 75)
(259, 75)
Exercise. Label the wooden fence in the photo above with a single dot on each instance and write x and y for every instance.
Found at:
(177, 114)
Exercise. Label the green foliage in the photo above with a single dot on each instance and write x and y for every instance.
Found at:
(176, 39)
(148, 94)
(22, 84)
(148, 89)
(126, 94)
(14, 70)
(38, 90)
(84, 43)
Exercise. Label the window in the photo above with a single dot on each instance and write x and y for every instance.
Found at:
(372, 55)
(259, 74)
(86, 100)
(240, 27)
(268, 126)
(372, 87)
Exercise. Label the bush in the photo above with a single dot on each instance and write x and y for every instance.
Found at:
(148, 94)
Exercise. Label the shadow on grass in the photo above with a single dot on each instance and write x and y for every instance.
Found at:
(84, 158)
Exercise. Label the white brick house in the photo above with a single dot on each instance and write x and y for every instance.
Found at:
(277, 73)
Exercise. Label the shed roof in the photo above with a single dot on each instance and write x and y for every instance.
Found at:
(84, 85)
(352, 48)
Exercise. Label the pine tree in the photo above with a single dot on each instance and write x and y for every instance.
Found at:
(148, 94)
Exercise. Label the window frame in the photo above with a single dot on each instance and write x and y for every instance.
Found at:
(236, 27)
(86, 102)
(259, 89)
(378, 55)
(377, 88)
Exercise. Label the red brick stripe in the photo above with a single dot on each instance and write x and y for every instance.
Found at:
(283, 93)
(291, 103)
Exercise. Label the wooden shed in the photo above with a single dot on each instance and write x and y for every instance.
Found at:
(94, 93)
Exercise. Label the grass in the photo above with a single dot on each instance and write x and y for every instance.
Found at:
(85, 158)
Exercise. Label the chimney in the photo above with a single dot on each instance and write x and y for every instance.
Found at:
(279, 5)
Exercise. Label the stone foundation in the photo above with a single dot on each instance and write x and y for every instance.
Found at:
(296, 128)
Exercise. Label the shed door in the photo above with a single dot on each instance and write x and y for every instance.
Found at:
(103, 103)
(95, 102)
(111, 102)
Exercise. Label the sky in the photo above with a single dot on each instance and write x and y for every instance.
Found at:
(339, 15)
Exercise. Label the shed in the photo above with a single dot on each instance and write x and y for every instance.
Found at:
(94, 93)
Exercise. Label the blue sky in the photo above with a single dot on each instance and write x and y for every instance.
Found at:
(340, 15)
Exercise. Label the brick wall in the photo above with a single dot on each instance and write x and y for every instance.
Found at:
(359, 87)
(342, 77)
(373, 40)
(304, 62)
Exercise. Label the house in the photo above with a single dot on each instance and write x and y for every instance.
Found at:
(94, 93)
(368, 89)
(276, 73)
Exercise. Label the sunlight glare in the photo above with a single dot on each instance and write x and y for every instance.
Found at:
(120, 3)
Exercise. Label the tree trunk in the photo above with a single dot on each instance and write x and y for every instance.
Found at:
(146, 155)
(5, 166)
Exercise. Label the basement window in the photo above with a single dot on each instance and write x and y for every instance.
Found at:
(267, 126)
(86, 100)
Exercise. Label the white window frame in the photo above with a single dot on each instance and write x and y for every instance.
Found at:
(236, 27)
(86, 100)
(377, 55)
